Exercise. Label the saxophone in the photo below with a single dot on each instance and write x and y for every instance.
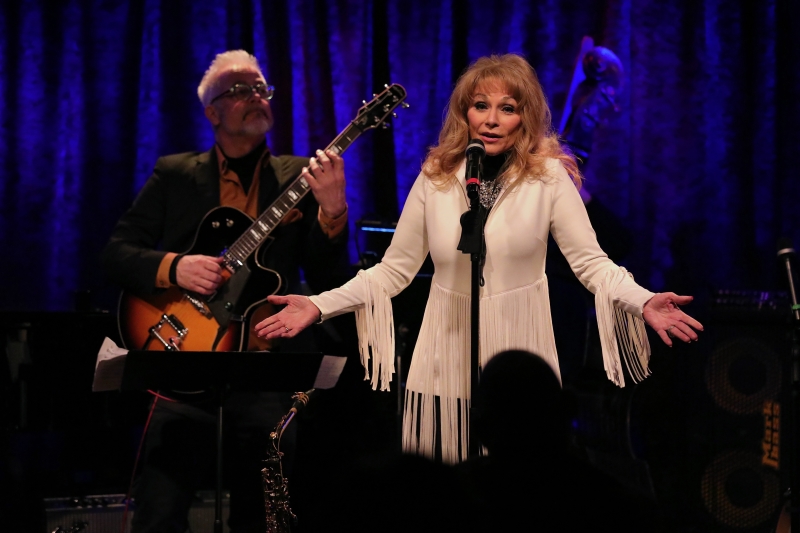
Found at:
(280, 518)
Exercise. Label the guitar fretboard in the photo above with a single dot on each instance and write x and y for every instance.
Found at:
(370, 116)
(266, 223)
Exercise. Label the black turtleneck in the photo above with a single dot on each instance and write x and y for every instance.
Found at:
(245, 166)
(492, 165)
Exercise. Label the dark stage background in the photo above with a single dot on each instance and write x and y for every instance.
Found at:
(699, 163)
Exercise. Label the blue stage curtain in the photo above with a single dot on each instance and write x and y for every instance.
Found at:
(698, 162)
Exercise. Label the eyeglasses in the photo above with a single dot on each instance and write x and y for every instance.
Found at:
(242, 91)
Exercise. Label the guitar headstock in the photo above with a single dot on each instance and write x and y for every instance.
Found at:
(371, 115)
(375, 112)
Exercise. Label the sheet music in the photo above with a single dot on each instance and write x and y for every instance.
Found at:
(329, 371)
(109, 367)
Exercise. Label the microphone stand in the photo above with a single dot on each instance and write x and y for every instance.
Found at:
(473, 243)
(794, 473)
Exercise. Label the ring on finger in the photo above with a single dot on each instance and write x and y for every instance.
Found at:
(669, 330)
(286, 328)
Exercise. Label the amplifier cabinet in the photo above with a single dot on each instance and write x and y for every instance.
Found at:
(104, 513)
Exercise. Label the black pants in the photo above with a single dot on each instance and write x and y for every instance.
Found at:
(180, 457)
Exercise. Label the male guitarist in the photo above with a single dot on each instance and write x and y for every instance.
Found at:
(152, 251)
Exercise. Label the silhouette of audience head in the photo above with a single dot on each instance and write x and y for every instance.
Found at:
(520, 406)
(535, 477)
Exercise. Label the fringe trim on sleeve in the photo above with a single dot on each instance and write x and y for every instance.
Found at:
(375, 327)
(622, 336)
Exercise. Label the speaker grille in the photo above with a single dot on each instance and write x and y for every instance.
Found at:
(745, 377)
(715, 444)
(738, 491)
(743, 373)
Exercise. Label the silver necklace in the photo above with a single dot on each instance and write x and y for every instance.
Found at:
(489, 192)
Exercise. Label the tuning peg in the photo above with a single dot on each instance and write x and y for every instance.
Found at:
(394, 115)
(385, 125)
(386, 85)
(374, 95)
(405, 105)
(364, 102)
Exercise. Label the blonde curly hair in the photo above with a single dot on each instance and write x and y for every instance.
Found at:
(536, 142)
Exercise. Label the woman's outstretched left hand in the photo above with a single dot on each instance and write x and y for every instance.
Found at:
(299, 313)
(663, 313)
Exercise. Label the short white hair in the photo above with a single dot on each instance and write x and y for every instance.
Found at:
(230, 61)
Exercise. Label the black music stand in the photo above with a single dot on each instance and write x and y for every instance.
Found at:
(118, 369)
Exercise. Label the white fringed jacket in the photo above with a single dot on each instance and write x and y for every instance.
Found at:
(514, 307)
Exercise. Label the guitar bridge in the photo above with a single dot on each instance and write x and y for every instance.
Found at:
(173, 343)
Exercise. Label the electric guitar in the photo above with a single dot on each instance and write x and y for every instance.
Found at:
(178, 319)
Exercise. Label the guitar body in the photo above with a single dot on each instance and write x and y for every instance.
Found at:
(177, 319)
(202, 332)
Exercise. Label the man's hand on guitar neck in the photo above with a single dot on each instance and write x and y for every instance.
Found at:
(325, 176)
(199, 273)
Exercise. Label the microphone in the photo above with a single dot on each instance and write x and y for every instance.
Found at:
(475, 153)
(787, 254)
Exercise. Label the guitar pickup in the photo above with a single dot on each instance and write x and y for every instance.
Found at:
(173, 344)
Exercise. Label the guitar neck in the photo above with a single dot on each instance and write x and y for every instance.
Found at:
(258, 232)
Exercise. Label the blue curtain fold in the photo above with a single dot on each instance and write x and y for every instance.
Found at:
(698, 162)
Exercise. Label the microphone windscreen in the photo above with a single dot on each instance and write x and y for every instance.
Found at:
(476, 145)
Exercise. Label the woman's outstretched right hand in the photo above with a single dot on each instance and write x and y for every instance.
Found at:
(298, 313)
